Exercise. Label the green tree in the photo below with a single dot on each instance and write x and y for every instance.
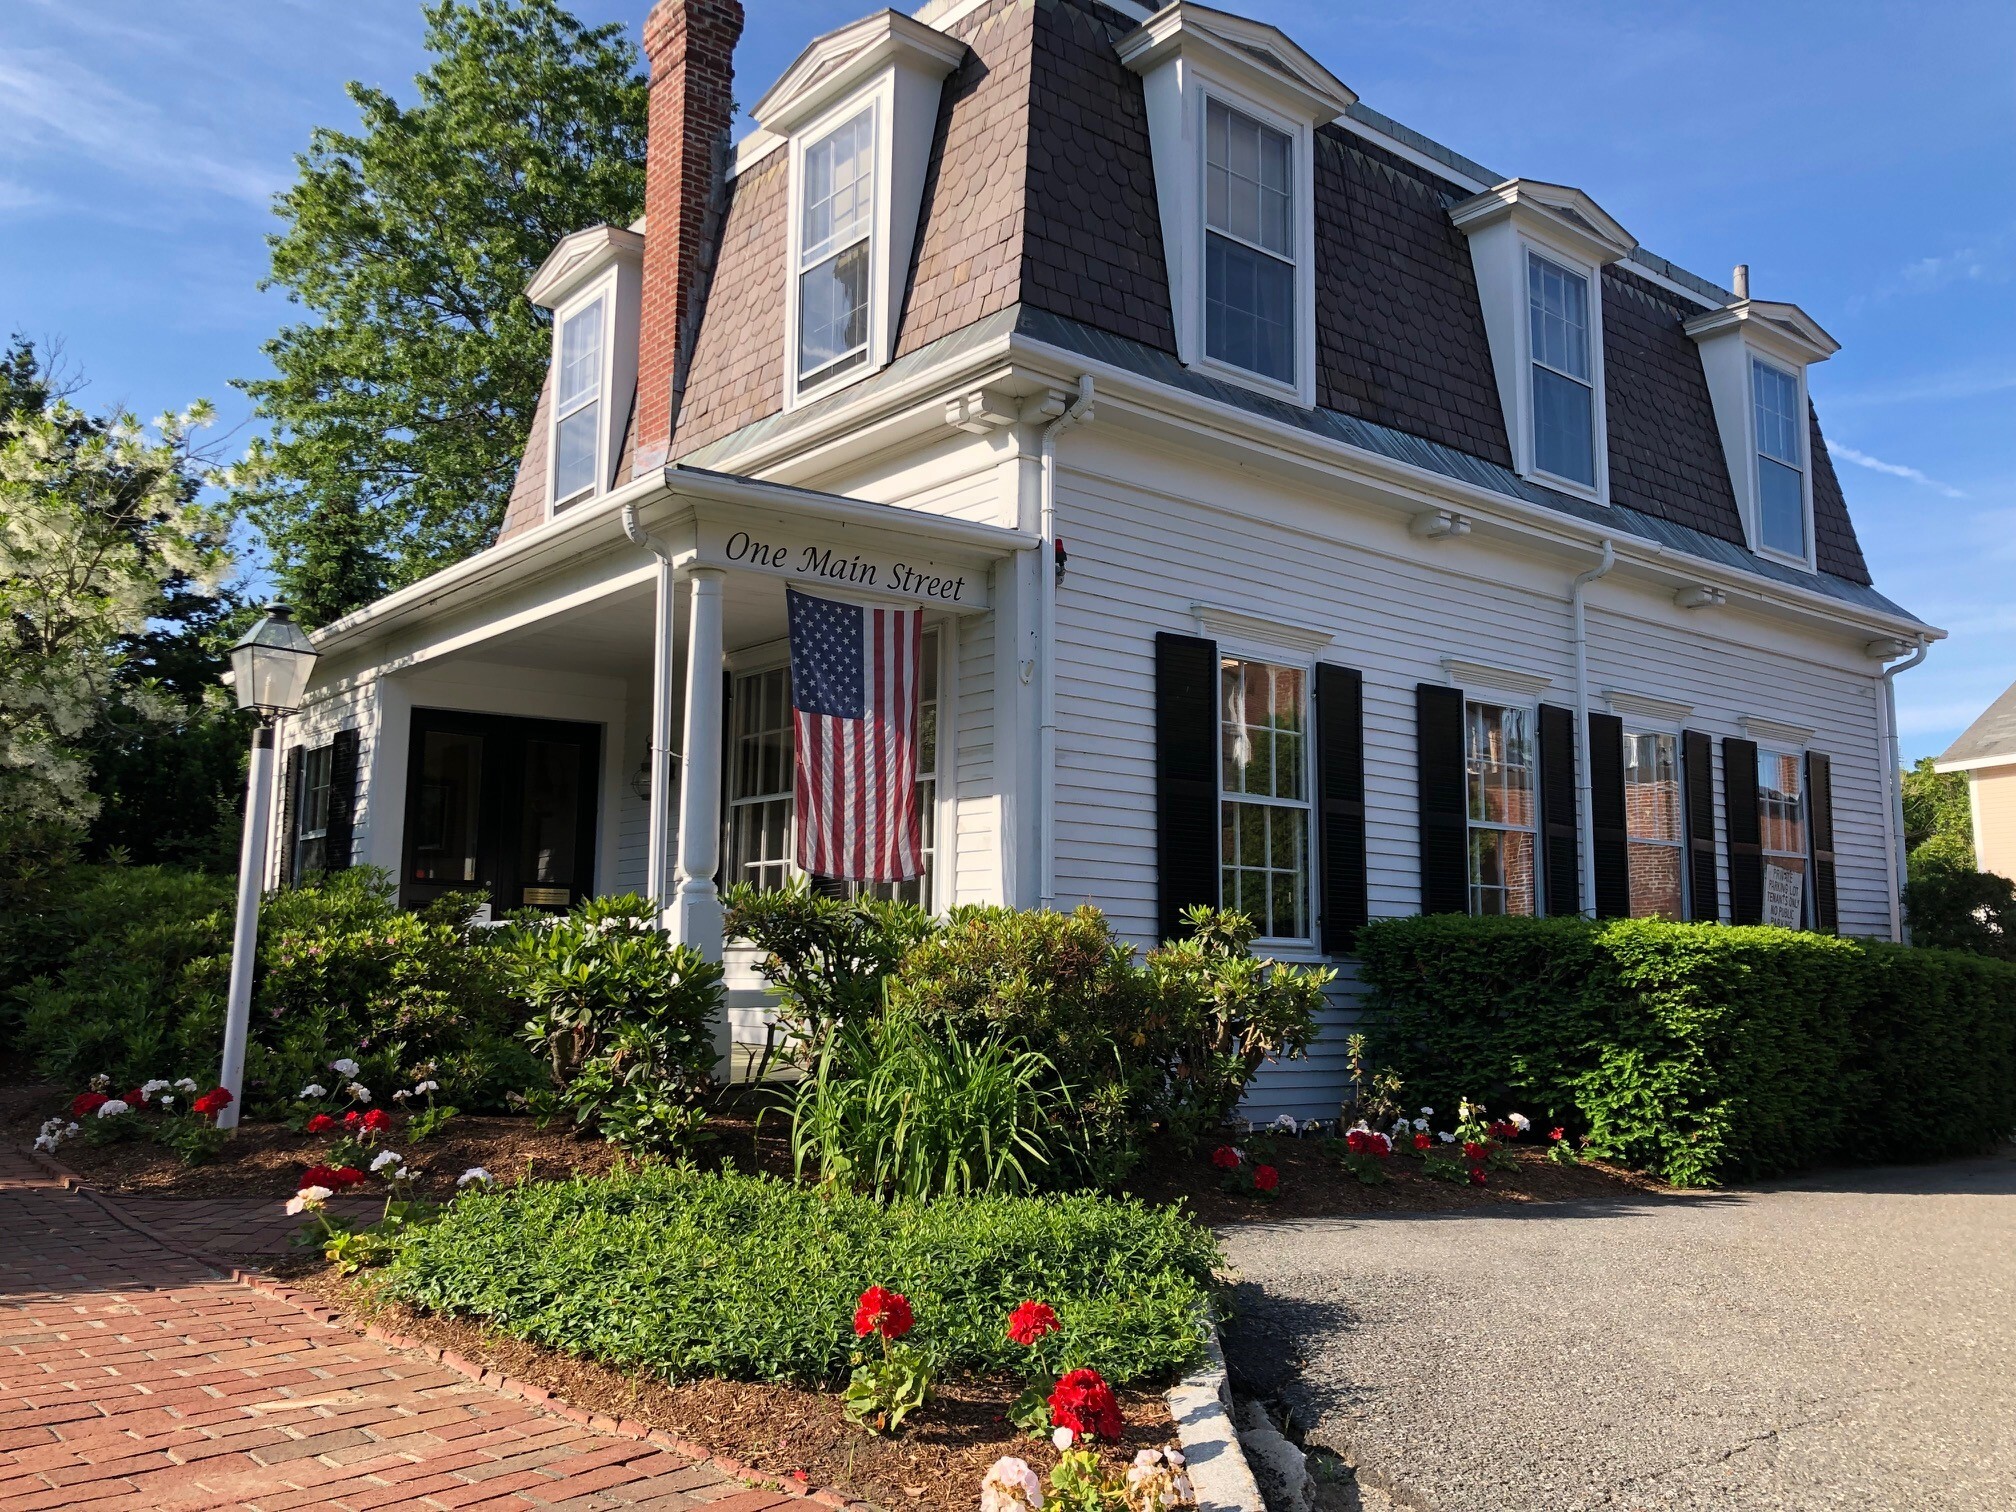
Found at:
(1938, 819)
(399, 410)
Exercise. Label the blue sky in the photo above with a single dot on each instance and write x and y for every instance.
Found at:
(1857, 155)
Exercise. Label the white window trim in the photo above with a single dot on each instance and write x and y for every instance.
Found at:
(1276, 654)
(878, 98)
(604, 289)
(1302, 234)
(1505, 696)
(1527, 446)
(771, 655)
(1803, 428)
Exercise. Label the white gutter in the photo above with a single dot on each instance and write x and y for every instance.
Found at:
(656, 871)
(1078, 412)
(1585, 818)
(1893, 780)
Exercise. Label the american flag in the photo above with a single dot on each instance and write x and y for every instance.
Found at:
(854, 676)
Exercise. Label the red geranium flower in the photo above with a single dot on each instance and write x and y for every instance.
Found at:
(321, 1123)
(1266, 1178)
(883, 1311)
(1083, 1402)
(345, 1176)
(1031, 1321)
(333, 1177)
(1423, 1141)
(377, 1120)
(1356, 1141)
(213, 1102)
(352, 1119)
(86, 1103)
(1225, 1158)
(1557, 1135)
(1476, 1175)
(137, 1098)
(1474, 1151)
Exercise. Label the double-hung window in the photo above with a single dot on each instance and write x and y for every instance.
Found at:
(311, 809)
(1249, 229)
(1564, 392)
(1652, 823)
(762, 816)
(1264, 869)
(1781, 812)
(1499, 762)
(578, 404)
(837, 218)
(1781, 460)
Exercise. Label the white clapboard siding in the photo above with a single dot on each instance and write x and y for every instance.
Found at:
(976, 839)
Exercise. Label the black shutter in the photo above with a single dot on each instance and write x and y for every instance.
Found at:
(290, 788)
(1340, 788)
(1697, 770)
(1820, 830)
(1560, 845)
(1445, 810)
(1746, 833)
(342, 801)
(1186, 777)
(1608, 822)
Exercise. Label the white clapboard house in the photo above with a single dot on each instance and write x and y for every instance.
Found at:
(1309, 519)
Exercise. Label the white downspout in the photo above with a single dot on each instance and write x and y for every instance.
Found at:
(1079, 411)
(1893, 780)
(1585, 820)
(657, 873)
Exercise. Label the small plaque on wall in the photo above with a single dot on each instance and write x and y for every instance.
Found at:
(547, 897)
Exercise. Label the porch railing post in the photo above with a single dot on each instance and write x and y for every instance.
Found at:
(696, 904)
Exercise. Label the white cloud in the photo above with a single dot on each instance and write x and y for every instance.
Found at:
(19, 196)
(48, 103)
(1894, 469)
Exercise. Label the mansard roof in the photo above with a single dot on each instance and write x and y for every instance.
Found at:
(1040, 211)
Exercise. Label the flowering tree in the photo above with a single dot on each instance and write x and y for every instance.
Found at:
(98, 517)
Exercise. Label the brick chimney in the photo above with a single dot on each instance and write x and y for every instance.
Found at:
(690, 45)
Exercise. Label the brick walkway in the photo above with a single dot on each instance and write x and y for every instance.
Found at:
(232, 1227)
(131, 1376)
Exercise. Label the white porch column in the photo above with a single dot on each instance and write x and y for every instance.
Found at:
(658, 868)
(696, 904)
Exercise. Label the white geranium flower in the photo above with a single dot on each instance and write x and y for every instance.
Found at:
(167, 1102)
(359, 1091)
(314, 1089)
(1427, 1112)
(308, 1199)
(427, 1086)
(113, 1108)
(1062, 1438)
(1174, 1457)
(149, 1088)
(1520, 1122)
(474, 1173)
(344, 1067)
(1147, 1459)
(1421, 1125)
(185, 1084)
(401, 1095)
(1011, 1486)
(45, 1142)
(402, 1174)
(69, 1130)
(1446, 1137)
(1285, 1122)
(384, 1159)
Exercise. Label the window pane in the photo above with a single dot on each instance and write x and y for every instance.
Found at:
(1246, 167)
(1777, 399)
(1558, 307)
(1288, 860)
(833, 312)
(1781, 810)
(839, 194)
(580, 357)
(444, 825)
(574, 459)
(1781, 507)
(1564, 437)
(1501, 872)
(1655, 881)
(1249, 309)
(1652, 787)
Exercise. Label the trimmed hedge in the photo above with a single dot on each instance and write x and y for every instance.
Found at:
(685, 1274)
(1697, 1051)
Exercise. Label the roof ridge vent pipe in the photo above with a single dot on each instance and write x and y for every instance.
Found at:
(1078, 412)
(1739, 281)
(1585, 821)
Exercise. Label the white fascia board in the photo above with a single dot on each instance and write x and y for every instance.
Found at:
(834, 65)
(1783, 331)
(1978, 763)
(1536, 208)
(1410, 489)
(1239, 50)
(580, 257)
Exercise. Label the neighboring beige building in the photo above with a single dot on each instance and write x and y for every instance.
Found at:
(1986, 752)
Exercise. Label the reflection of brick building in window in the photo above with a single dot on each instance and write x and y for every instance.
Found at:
(1652, 818)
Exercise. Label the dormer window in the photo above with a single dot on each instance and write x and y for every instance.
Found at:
(1781, 459)
(577, 405)
(1233, 111)
(1564, 397)
(1538, 252)
(834, 249)
(1249, 258)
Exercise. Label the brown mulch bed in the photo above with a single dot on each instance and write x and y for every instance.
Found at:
(788, 1432)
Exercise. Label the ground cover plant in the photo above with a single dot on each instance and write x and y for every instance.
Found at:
(681, 1274)
(1699, 1052)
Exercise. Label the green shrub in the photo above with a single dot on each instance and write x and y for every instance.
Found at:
(1700, 1052)
(1953, 907)
(893, 1110)
(686, 1274)
(622, 1017)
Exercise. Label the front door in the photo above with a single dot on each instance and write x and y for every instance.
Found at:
(503, 805)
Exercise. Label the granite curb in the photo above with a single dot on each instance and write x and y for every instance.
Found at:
(1201, 1404)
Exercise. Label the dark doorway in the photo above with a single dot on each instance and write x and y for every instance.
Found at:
(504, 805)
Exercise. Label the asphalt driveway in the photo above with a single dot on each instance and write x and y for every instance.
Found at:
(1846, 1341)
